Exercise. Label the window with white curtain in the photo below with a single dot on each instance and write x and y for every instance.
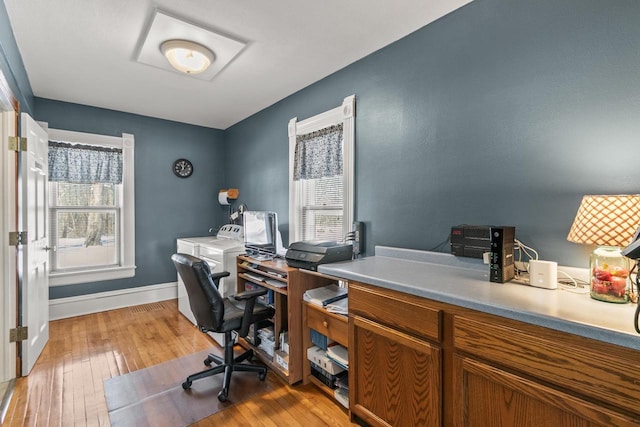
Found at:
(91, 207)
(321, 171)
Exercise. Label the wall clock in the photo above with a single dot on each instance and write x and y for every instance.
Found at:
(182, 168)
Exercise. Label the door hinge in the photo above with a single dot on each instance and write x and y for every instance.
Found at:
(17, 238)
(21, 333)
(17, 143)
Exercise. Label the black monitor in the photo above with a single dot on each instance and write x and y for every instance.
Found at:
(260, 233)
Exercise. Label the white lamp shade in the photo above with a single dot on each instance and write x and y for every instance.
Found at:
(606, 220)
(186, 56)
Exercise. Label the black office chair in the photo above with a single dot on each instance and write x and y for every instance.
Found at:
(217, 314)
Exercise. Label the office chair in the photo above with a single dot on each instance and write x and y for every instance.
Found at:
(224, 315)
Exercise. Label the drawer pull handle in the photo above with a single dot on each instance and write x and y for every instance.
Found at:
(325, 324)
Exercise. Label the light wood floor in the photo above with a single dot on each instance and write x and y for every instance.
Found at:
(66, 386)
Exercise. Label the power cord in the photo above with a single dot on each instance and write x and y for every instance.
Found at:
(439, 245)
(572, 285)
(521, 274)
(637, 283)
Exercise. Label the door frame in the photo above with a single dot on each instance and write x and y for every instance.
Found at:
(9, 108)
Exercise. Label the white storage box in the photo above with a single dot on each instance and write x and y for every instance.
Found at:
(282, 359)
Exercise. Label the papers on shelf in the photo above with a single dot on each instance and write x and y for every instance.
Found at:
(339, 355)
(339, 307)
(325, 295)
(254, 277)
(276, 283)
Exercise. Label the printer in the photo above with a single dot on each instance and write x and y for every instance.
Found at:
(309, 255)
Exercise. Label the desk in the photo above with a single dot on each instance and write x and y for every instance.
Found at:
(454, 349)
(287, 285)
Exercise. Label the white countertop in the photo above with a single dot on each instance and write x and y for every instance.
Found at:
(465, 282)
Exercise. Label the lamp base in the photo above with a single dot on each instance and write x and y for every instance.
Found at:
(609, 275)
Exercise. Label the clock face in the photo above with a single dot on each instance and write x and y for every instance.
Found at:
(182, 168)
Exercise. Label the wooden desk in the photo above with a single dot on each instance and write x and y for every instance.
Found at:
(287, 302)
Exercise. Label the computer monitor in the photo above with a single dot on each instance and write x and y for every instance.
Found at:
(260, 233)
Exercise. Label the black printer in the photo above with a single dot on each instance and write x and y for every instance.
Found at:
(309, 255)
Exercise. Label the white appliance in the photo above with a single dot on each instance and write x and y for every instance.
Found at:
(220, 253)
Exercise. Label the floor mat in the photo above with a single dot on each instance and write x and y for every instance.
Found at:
(154, 396)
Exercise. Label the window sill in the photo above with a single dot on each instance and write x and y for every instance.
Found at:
(73, 278)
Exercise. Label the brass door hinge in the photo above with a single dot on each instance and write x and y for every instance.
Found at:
(17, 238)
(21, 333)
(17, 143)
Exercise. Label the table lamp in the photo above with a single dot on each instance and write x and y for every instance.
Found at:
(609, 222)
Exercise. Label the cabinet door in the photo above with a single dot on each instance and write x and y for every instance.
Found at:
(394, 378)
(488, 396)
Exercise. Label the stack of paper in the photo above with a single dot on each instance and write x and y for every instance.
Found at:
(325, 295)
(339, 355)
(339, 307)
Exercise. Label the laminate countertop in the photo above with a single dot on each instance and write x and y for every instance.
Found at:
(465, 282)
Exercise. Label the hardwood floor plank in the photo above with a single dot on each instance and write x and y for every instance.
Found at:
(66, 386)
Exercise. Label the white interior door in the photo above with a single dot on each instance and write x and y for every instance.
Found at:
(7, 253)
(35, 257)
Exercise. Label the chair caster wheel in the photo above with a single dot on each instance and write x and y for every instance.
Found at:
(222, 396)
(207, 361)
(262, 376)
(186, 385)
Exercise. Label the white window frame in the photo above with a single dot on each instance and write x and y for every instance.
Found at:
(127, 265)
(344, 114)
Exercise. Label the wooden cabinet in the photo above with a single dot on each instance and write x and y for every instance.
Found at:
(511, 373)
(287, 288)
(395, 361)
(331, 325)
(487, 395)
(420, 362)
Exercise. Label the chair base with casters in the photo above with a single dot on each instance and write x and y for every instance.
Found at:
(222, 366)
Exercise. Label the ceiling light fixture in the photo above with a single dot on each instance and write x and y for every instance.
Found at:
(187, 56)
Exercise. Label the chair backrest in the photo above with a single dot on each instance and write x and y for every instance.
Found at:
(205, 300)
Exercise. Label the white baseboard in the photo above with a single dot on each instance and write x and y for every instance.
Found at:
(63, 308)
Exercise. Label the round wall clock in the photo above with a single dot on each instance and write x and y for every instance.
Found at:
(182, 168)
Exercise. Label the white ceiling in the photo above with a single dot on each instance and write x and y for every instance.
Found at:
(85, 51)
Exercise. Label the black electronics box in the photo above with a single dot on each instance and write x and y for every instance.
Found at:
(501, 265)
(325, 377)
(470, 240)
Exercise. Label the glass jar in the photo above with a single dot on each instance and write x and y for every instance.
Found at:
(609, 275)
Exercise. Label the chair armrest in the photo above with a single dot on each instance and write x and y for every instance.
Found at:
(249, 298)
(243, 296)
(218, 276)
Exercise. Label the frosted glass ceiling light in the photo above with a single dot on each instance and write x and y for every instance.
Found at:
(186, 56)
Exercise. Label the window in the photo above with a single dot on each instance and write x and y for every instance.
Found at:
(321, 201)
(92, 221)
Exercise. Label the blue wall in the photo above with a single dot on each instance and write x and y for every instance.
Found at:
(503, 112)
(167, 207)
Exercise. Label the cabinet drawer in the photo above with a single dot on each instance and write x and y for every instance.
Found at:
(405, 312)
(327, 324)
(602, 371)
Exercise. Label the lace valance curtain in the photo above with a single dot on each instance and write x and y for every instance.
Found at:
(84, 164)
(318, 154)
